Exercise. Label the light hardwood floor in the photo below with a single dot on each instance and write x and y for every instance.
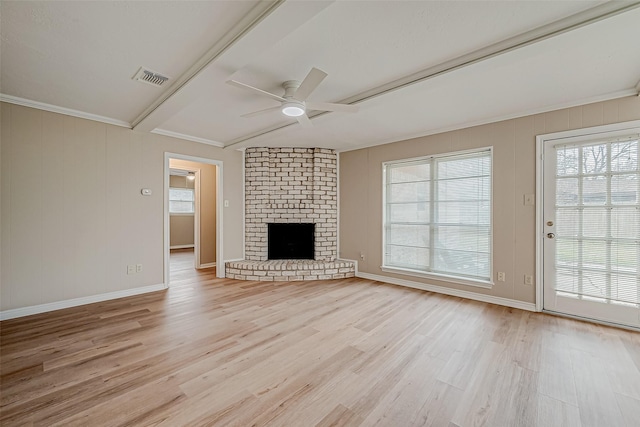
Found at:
(349, 352)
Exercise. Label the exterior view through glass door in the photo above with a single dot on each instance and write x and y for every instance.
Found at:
(591, 226)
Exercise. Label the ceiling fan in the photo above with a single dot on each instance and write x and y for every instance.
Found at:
(294, 101)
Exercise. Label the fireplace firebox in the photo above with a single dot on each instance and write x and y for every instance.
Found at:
(290, 240)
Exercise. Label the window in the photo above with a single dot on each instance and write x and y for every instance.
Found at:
(181, 201)
(437, 216)
(597, 212)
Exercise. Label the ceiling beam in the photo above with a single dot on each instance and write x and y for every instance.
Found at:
(266, 24)
(536, 35)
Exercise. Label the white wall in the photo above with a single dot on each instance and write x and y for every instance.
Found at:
(72, 216)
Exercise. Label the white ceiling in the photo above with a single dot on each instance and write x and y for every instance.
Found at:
(413, 67)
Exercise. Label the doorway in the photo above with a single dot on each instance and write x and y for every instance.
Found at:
(589, 223)
(204, 202)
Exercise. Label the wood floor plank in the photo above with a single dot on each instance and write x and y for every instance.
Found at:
(630, 409)
(596, 400)
(350, 352)
(553, 412)
(340, 416)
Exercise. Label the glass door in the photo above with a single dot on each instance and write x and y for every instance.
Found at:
(591, 226)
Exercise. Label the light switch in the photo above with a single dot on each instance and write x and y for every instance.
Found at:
(529, 199)
(226, 203)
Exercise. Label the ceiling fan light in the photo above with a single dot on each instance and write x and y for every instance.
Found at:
(293, 109)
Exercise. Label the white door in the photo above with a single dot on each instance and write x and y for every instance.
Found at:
(591, 226)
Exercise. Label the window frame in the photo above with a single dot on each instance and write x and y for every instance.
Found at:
(193, 203)
(452, 278)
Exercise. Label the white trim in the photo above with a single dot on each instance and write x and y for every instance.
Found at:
(496, 119)
(540, 143)
(220, 272)
(429, 275)
(539, 219)
(207, 265)
(187, 137)
(338, 204)
(449, 291)
(62, 110)
(244, 205)
(181, 246)
(196, 218)
(614, 127)
(591, 320)
(233, 260)
(59, 305)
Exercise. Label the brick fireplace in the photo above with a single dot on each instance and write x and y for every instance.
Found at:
(290, 185)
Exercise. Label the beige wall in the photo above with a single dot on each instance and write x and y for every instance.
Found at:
(177, 181)
(207, 206)
(514, 175)
(181, 226)
(72, 216)
(181, 232)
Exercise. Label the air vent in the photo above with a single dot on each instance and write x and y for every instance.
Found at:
(150, 77)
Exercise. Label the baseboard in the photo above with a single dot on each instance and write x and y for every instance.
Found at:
(181, 247)
(207, 265)
(59, 305)
(449, 291)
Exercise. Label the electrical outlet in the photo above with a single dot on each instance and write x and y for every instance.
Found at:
(501, 276)
(528, 279)
(138, 268)
(131, 269)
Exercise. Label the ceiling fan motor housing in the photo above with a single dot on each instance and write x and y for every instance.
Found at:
(290, 87)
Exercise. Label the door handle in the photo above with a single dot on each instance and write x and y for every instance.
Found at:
(551, 235)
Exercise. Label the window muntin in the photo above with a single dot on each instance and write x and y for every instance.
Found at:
(438, 215)
(598, 220)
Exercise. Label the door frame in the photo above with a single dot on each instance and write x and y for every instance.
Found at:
(541, 141)
(220, 270)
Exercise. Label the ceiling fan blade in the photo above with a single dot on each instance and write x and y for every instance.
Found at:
(328, 106)
(304, 121)
(266, 110)
(255, 90)
(308, 85)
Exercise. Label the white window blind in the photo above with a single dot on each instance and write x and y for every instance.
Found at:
(598, 220)
(438, 215)
(181, 200)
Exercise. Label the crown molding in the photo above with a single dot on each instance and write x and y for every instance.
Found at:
(62, 110)
(187, 137)
(497, 119)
